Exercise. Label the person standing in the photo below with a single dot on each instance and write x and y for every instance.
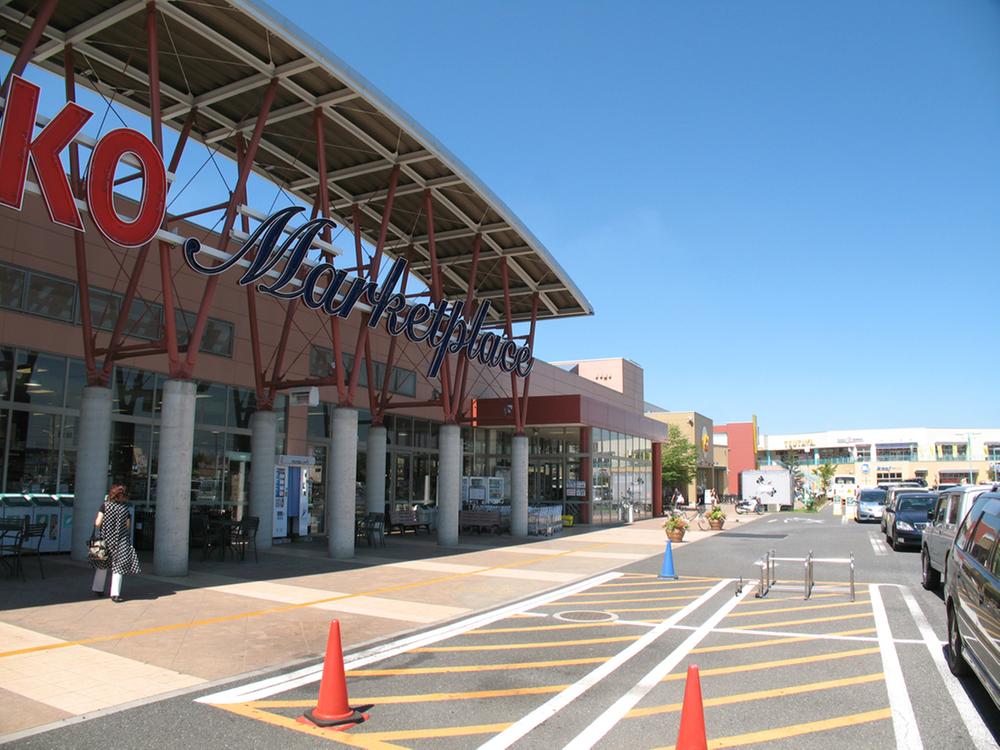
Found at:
(113, 523)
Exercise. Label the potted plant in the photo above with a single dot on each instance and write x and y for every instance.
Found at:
(716, 518)
(675, 526)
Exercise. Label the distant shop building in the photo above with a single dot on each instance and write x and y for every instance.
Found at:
(937, 456)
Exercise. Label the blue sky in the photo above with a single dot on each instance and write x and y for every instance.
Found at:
(782, 208)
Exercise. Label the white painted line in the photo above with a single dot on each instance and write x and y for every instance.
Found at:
(555, 704)
(878, 546)
(811, 636)
(904, 723)
(616, 712)
(279, 684)
(982, 739)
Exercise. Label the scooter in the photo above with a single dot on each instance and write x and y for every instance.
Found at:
(753, 505)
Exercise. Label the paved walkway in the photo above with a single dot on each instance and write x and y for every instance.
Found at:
(64, 653)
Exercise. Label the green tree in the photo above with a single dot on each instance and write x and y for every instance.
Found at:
(825, 472)
(791, 463)
(679, 458)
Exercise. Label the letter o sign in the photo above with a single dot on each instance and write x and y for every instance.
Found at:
(100, 188)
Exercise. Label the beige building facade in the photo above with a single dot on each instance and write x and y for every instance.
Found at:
(698, 429)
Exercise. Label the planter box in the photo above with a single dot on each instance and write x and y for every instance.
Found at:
(716, 525)
(675, 536)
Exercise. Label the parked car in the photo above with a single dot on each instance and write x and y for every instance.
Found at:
(870, 505)
(939, 535)
(908, 518)
(972, 595)
(892, 491)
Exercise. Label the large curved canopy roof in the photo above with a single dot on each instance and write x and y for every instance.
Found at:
(217, 56)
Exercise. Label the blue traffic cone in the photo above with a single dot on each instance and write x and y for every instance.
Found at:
(667, 571)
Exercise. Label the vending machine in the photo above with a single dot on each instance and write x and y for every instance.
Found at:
(292, 490)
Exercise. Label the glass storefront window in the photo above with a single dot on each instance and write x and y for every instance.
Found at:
(50, 297)
(33, 459)
(67, 469)
(242, 405)
(206, 469)
(210, 404)
(11, 287)
(39, 379)
(404, 431)
(132, 392)
(6, 372)
(76, 379)
(131, 457)
(104, 307)
(237, 489)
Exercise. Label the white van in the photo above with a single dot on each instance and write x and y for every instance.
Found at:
(845, 489)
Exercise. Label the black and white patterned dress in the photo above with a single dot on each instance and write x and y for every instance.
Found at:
(114, 528)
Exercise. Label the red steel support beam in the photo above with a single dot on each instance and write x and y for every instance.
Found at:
(462, 366)
(258, 361)
(279, 356)
(199, 211)
(115, 344)
(531, 345)
(156, 125)
(390, 362)
(79, 245)
(370, 369)
(23, 57)
(437, 294)
(187, 367)
(362, 341)
(515, 403)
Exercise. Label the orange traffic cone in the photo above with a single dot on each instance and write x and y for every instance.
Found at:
(692, 733)
(332, 709)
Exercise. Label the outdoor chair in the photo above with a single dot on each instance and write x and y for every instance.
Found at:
(375, 529)
(243, 535)
(14, 544)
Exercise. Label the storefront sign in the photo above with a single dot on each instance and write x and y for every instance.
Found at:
(44, 151)
(441, 326)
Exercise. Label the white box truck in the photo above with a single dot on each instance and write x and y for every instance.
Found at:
(773, 488)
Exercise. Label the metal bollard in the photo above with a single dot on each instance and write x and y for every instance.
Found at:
(852, 576)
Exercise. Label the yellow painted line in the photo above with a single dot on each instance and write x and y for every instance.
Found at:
(475, 667)
(774, 641)
(768, 599)
(514, 646)
(438, 733)
(756, 666)
(795, 730)
(532, 629)
(563, 602)
(647, 609)
(385, 700)
(341, 738)
(783, 623)
(726, 700)
(797, 609)
(284, 608)
(681, 598)
(601, 592)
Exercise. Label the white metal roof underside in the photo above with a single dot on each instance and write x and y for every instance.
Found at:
(217, 56)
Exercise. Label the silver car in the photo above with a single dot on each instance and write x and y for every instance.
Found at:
(871, 503)
(939, 535)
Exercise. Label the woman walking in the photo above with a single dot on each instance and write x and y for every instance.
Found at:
(112, 523)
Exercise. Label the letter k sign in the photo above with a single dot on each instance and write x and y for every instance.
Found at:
(17, 147)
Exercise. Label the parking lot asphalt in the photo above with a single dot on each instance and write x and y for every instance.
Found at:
(602, 663)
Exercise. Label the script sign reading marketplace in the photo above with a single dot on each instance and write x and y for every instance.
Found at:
(440, 326)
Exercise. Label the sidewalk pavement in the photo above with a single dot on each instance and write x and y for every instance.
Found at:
(65, 653)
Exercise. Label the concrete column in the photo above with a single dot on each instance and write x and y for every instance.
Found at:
(449, 483)
(91, 481)
(173, 479)
(342, 471)
(263, 446)
(375, 470)
(519, 486)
